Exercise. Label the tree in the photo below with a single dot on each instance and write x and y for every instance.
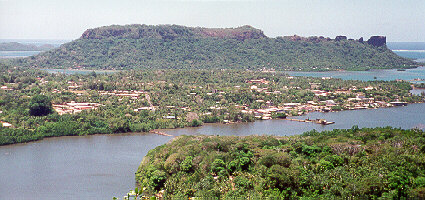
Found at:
(40, 105)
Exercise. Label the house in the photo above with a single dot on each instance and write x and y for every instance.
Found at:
(144, 108)
(6, 88)
(263, 81)
(72, 107)
(169, 117)
(320, 93)
(5, 124)
(369, 88)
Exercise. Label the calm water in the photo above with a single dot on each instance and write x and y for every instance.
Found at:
(414, 50)
(17, 54)
(103, 166)
(386, 75)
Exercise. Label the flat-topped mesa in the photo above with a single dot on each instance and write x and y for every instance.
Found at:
(181, 47)
(171, 32)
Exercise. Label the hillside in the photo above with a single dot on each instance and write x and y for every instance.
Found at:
(172, 46)
(15, 46)
(339, 164)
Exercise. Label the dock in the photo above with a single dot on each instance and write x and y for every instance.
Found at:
(317, 121)
(159, 133)
(398, 103)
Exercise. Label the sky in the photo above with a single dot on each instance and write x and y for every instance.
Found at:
(399, 20)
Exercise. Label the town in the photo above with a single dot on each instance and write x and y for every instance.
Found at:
(143, 101)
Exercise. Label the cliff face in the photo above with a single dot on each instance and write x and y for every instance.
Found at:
(377, 41)
(171, 32)
(341, 37)
(137, 31)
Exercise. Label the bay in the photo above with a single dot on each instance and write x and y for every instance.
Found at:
(103, 166)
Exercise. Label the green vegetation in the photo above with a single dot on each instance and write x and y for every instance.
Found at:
(420, 85)
(168, 99)
(40, 105)
(179, 47)
(377, 163)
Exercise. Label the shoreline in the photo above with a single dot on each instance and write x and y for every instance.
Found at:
(151, 132)
(164, 133)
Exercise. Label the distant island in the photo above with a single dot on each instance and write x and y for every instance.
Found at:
(15, 46)
(180, 47)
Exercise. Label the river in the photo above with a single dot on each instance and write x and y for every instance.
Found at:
(103, 166)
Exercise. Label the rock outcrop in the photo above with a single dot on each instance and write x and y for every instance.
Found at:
(377, 41)
(340, 37)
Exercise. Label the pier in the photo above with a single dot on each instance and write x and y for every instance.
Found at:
(317, 121)
(159, 133)
(398, 103)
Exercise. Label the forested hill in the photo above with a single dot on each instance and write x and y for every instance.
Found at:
(173, 46)
(377, 163)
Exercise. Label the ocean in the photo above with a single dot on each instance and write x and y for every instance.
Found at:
(413, 50)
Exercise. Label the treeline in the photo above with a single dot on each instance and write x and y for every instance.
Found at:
(154, 48)
(367, 163)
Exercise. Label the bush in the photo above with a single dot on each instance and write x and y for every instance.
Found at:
(186, 165)
(195, 123)
(157, 179)
(40, 105)
(217, 166)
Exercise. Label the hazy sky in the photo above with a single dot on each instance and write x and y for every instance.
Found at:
(399, 20)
